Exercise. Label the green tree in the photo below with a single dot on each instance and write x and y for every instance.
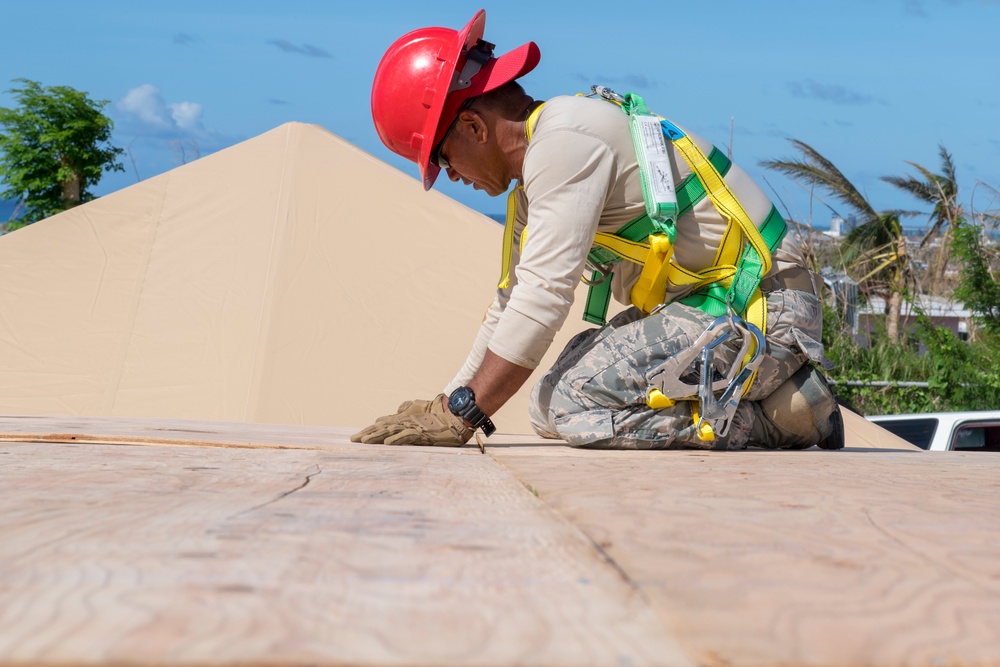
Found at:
(875, 251)
(978, 288)
(941, 192)
(53, 148)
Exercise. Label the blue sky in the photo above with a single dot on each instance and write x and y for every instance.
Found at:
(871, 84)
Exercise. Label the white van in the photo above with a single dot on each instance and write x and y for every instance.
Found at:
(944, 431)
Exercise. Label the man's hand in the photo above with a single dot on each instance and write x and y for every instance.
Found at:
(414, 407)
(418, 423)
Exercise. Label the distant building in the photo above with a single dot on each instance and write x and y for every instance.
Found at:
(841, 226)
(941, 311)
(845, 296)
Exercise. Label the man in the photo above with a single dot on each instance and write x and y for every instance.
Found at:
(442, 99)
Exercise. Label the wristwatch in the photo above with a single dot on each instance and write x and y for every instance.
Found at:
(462, 403)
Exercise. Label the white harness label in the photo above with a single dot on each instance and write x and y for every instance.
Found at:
(655, 165)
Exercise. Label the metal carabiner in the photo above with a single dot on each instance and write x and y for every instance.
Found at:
(604, 269)
(716, 412)
(719, 412)
(606, 93)
(667, 376)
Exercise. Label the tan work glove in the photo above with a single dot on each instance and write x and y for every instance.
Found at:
(414, 407)
(417, 423)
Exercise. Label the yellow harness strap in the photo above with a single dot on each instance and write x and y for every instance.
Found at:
(508, 238)
(508, 227)
(730, 248)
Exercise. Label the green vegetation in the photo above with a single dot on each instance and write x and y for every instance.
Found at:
(959, 375)
(53, 147)
(920, 367)
(977, 285)
(875, 251)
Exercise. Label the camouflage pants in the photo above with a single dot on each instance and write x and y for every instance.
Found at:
(595, 394)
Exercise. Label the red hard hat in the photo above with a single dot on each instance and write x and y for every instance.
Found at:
(424, 78)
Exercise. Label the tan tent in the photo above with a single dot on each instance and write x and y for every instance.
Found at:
(292, 278)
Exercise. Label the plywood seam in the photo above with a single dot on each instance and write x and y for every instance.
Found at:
(115, 440)
(606, 558)
(140, 441)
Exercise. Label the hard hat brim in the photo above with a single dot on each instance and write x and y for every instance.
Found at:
(494, 73)
(464, 39)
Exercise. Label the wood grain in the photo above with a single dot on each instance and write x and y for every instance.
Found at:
(195, 543)
(376, 555)
(798, 558)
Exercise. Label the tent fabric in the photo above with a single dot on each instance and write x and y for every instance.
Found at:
(292, 278)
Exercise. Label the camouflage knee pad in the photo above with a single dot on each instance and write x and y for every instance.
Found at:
(800, 413)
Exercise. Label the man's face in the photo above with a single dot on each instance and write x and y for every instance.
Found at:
(468, 154)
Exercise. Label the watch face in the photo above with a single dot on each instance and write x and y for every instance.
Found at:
(460, 399)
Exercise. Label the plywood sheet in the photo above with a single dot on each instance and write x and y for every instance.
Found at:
(333, 555)
(861, 434)
(797, 558)
(184, 542)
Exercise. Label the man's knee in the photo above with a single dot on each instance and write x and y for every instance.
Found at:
(800, 413)
(539, 408)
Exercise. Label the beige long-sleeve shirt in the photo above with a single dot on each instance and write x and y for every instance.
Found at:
(580, 177)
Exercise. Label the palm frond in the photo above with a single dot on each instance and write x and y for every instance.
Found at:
(947, 164)
(839, 184)
(888, 262)
(929, 176)
(817, 170)
(919, 189)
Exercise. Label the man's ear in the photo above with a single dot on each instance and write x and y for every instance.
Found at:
(476, 122)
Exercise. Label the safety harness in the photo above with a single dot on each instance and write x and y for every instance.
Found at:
(729, 290)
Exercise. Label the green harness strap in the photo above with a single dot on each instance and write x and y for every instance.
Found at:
(713, 298)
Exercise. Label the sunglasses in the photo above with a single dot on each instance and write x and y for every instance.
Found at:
(436, 156)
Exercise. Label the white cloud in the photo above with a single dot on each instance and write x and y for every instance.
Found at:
(146, 105)
(187, 115)
(162, 134)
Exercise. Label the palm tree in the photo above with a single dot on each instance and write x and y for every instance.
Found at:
(940, 191)
(876, 248)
